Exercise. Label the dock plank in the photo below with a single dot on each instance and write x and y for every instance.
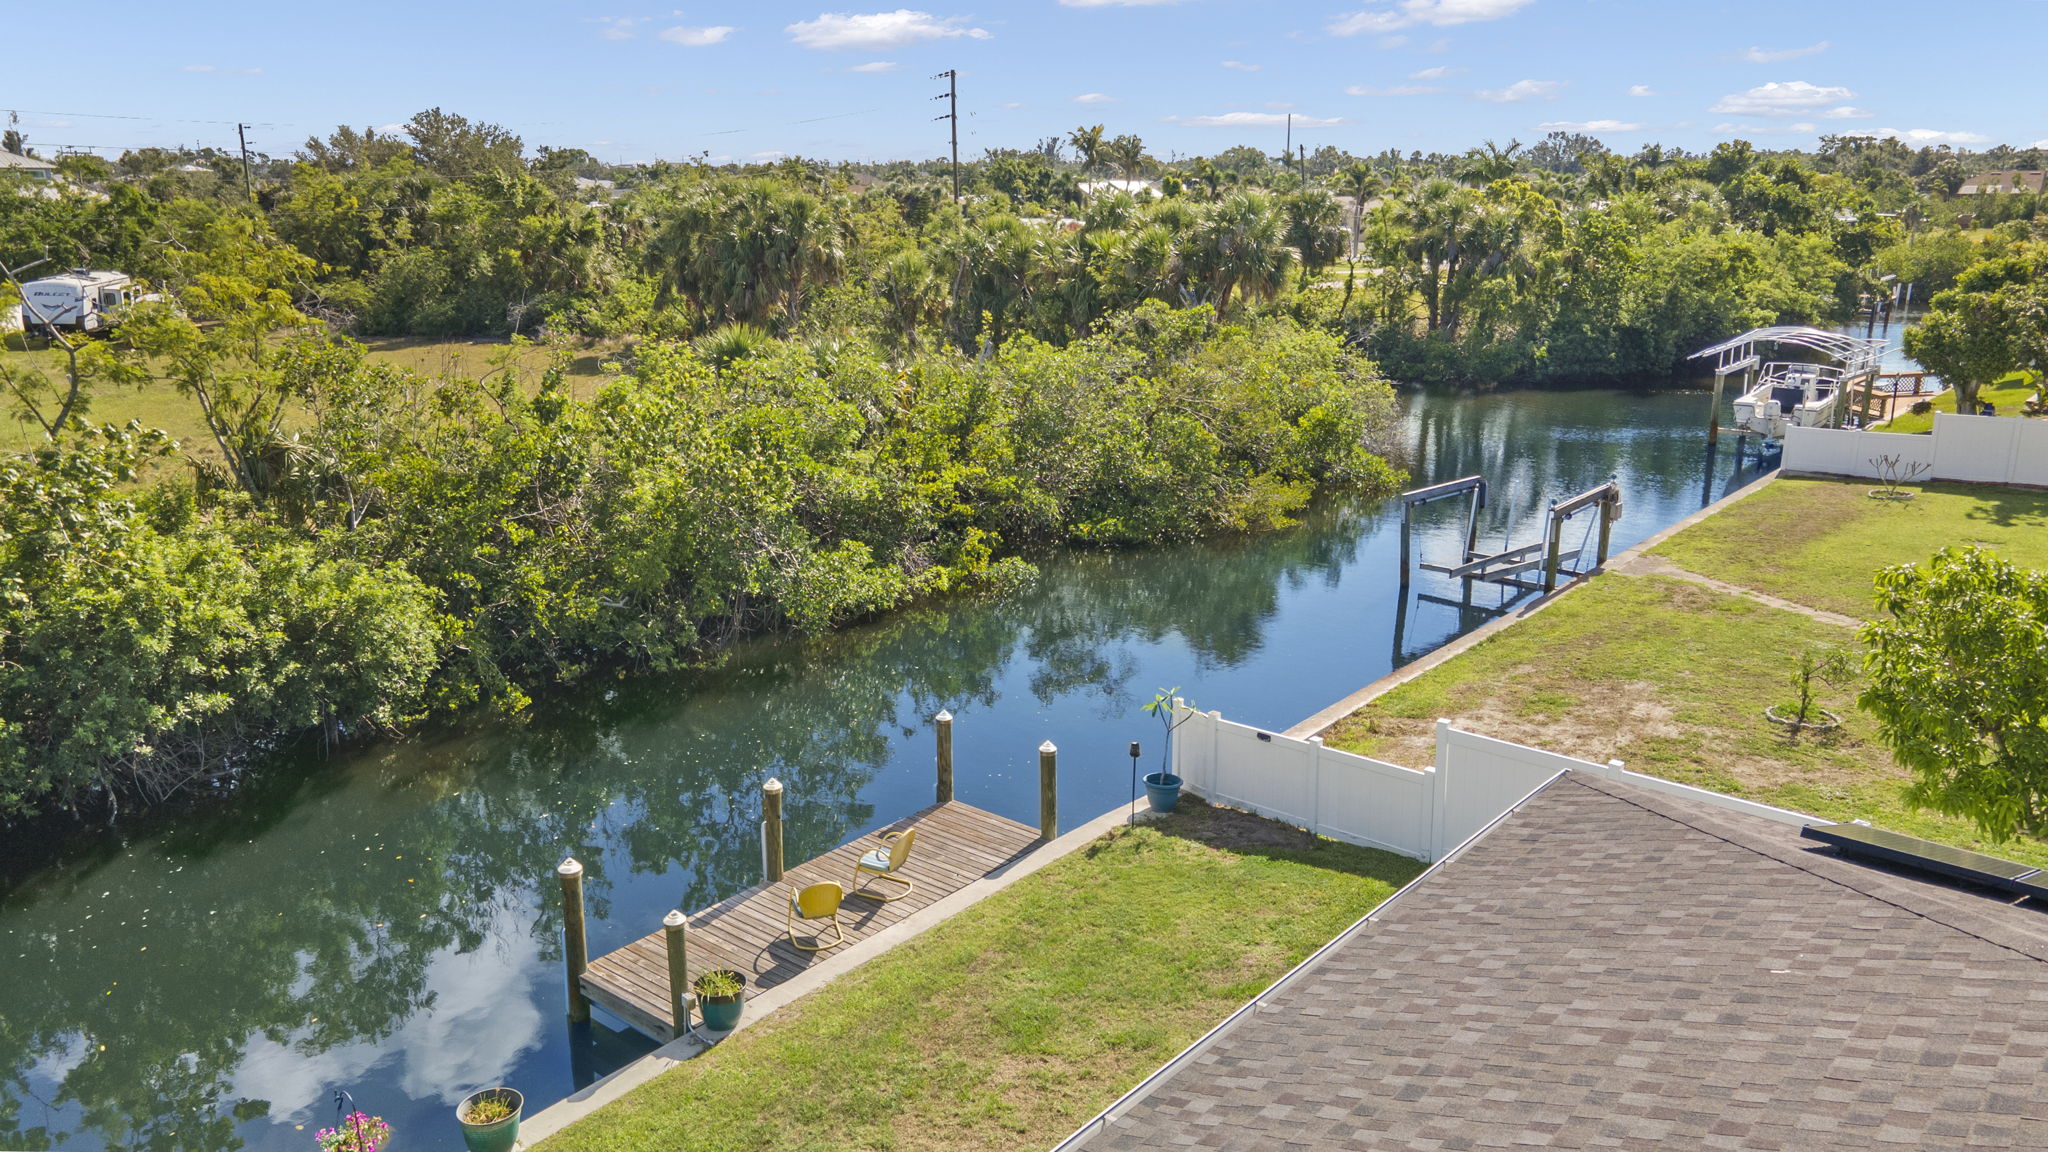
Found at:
(957, 844)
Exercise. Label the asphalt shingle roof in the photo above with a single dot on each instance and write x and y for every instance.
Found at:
(1613, 968)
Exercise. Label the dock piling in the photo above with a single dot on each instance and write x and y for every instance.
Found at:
(575, 948)
(942, 725)
(675, 928)
(1048, 791)
(771, 831)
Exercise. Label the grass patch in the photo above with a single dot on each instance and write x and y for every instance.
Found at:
(2010, 395)
(159, 405)
(1010, 1024)
(1672, 678)
(1819, 542)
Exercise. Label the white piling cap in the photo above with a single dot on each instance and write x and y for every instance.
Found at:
(944, 717)
(771, 785)
(675, 919)
(569, 867)
(1047, 747)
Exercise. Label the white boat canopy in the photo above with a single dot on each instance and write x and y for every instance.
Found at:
(1855, 354)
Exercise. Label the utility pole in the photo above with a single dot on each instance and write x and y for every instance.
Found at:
(1287, 153)
(242, 134)
(952, 98)
(1304, 166)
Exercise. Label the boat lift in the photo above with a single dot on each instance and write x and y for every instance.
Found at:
(1507, 567)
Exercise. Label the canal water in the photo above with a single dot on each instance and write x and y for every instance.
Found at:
(382, 922)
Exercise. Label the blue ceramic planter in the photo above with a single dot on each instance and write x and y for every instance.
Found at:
(1162, 791)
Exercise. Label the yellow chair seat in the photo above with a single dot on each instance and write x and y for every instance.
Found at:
(882, 864)
(817, 902)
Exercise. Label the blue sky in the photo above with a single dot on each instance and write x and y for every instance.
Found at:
(632, 81)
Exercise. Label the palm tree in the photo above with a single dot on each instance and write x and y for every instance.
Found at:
(1241, 247)
(913, 294)
(1088, 142)
(1360, 183)
(1488, 162)
(1127, 152)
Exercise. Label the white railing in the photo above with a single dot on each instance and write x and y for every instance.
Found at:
(1423, 813)
(1973, 449)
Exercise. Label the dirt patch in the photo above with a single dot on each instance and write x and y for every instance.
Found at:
(1232, 829)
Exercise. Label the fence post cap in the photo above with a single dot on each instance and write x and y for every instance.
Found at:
(1442, 723)
(675, 919)
(1616, 765)
(569, 866)
(1047, 747)
(771, 785)
(944, 717)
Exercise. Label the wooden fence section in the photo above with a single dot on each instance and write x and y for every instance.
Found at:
(957, 844)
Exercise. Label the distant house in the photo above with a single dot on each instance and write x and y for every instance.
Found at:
(1099, 187)
(2006, 180)
(30, 166)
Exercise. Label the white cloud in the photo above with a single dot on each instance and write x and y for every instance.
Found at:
(696, 37)
(2039, 144)
(1095, 98)
(1240, 66)
(1014, 104)
(1757, 55)
(1589, 126)
(1522, 90)
(1255, 120)
(1846, 112)
(872, 30)
(876, 66)
(1790, 98)
(1396, 90)
(1934, 136)
(1436, 73)
(620, 27)
(1640, 90)
(1392, 15)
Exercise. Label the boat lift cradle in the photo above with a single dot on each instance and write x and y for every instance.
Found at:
(1506, 567)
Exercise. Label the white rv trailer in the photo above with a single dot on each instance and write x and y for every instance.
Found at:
(81, 300)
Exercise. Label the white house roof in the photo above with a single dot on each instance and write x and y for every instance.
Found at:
(16, 162)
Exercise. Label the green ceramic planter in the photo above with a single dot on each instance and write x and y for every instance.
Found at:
(497, 1136)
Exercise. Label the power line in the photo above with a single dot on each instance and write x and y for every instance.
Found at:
(952, 98)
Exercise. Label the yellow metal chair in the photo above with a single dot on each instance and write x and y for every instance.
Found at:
(882, 864)
(817, 902)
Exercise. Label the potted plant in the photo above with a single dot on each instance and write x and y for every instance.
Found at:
(1162, 788)
(355, 1132)
(720, 994)
(490, 1119)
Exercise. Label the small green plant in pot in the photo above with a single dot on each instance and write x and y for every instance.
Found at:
(356, 1132)
(721, 993)
(490, 1119)
(1162, 788)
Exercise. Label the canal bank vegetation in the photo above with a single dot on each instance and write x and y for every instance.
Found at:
(420, 546)
(1651, 666)
(1013, 1022)
(834, 393)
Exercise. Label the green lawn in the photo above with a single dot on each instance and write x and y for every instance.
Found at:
(1010, 1024)
(158, 405)
(1818, 542)
(2010, 395)
(1672, 678)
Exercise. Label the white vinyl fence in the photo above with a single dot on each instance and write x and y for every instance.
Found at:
(1975, 449)
(1423, 813)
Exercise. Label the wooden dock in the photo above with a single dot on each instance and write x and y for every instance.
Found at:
(957, 844)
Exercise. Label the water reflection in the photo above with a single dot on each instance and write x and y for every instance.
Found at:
(383, 922)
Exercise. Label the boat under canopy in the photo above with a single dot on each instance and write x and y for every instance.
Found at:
(1803, 393)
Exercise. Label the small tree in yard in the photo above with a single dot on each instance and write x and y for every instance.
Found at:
(1958, 683)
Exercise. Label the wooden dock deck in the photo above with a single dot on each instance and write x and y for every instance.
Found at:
(957, 844)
